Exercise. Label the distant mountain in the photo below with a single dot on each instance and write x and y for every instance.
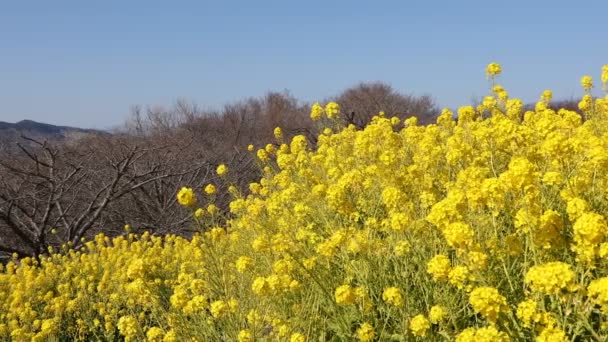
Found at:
(12, 132)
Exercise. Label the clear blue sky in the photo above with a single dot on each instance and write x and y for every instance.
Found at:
(85, 63)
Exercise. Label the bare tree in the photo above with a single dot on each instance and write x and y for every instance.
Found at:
(361, 102)
(55, 194)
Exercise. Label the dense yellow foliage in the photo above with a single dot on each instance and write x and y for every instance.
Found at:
(488, 227)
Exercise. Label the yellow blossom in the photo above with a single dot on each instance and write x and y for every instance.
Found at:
(210, 189)
(245, 336)
(128, 326)
(488, 302)
(317, 112)
(297, 337)
(278, 133)
(485, 334)
(345, 295)
(550, 278)
(332, 110)
(222, 169)
(219, 308)
(155, 334)
(244, 263)
(493, 69)
(366, 332)
(437, 314)
(587, 82)
(439, 267)
(393, 296)
(419, 325)
(186, 197)
(552, 334)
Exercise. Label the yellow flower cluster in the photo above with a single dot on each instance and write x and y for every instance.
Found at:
(393, 296)
(487, 225)
(550, 278)
(331, 111)
(552, 334)
(186, 197)
(419, 325)
(493, 69)
(366, 332)
(488, 302)
(485, 334)
(222, 170)
(587, 82)
(345, 295)
(439, 267)
(598, 290)
(437, 314)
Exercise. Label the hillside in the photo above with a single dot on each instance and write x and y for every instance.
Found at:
(13, 132)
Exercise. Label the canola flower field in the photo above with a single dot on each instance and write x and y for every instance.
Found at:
(486, 226)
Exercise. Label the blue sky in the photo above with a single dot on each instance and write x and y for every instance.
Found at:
(85, 63)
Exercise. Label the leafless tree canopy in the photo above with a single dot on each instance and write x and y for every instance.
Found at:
(361, 102)
(51, 194)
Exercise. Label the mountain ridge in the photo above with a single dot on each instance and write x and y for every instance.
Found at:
(40, 126)
(13, 132)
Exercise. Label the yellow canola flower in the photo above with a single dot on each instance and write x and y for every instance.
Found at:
(245, 336)
(186, 197)
(493, 70)
(402, 248)
(466, 114)
(437, 314)
(485, 334)
(219, 309)
(345, 295)
(488, 302)
(49, 327)
(439, 267)
(210, 189)
(586, 103)
(550, 278)
(458, 235)
(155, 334)
(316, 112)
(199, 213)
(393, 296)
(598, 291)
(552, 334)
(297, 337)
(212, 209)
(332, 110)
(366, 332)
(260, 286)
(263, 155)
(527, 312)
(222, 170)
(278, 133)
(460, 276)
(419, 325)
(587, 82)
(244, 263)
(128, 326)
